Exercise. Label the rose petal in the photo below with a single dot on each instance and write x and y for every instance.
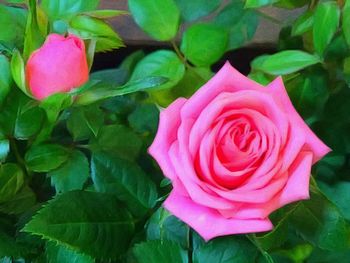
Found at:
(295, 143)
(169, 121)
(261, 195)
(313, 143)
(224, 104)
(227, 79)
(208, 222)
(297, 188)
(196, 188)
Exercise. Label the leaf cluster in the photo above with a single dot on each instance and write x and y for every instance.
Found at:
(76, 182)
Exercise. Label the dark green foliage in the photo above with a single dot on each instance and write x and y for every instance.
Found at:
(76, 181)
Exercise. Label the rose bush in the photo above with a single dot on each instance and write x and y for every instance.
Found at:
(60, 65)
(235, 151)
(76, 181)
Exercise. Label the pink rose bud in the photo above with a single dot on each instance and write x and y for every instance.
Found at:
(235, 152)
(59, 66)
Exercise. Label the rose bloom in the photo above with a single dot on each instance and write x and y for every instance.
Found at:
(59, 66)
(235, 152)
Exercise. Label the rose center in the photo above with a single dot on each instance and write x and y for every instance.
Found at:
(242, 137)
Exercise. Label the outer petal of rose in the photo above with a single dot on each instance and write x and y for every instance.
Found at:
(209, 223)
(167, 133)
(313, 143)
(297, 188)
(295, 143)
(227, 79)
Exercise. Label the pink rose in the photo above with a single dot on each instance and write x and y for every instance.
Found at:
(60, 65)
(235, 152)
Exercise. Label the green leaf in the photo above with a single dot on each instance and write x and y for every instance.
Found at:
(60, 254)
(240, 23)
(299, 253)
(335, 115)
(17, 70)
(338, 193)
(16, 1)
(309, 93)
(34, 38)
(119, 140)
(120, 75)
(204, 44)
(12, 25)
(336, 50)
(303, 23)
(227, 249)
(346, 21)
(4, 149)
(54, 104)
(72, 175)
(326, 22)
(88, 27)
(144, 119)
(159, 251)
(291, 4)
(90, 52)
(162, 63)
(23, 201)
(46, 157)
(126, 180)
(132, 86)
(10, 110)
(57, 9)
(84, 122)
(279, 235)
(20, 117)
(324, 256)
(195, 9)
(113, 76)
(320, 222)
(193, 79)
(328, 168)
(5, 77)
(28, 122)
(164, 226)
(104, 14)
(9, 247)
(286, 62)
(258, 3)
(88, 222)
(93, 119)
(346, 66)
(260, 77)
(77, 124)
(158, 18)
(11, 180)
